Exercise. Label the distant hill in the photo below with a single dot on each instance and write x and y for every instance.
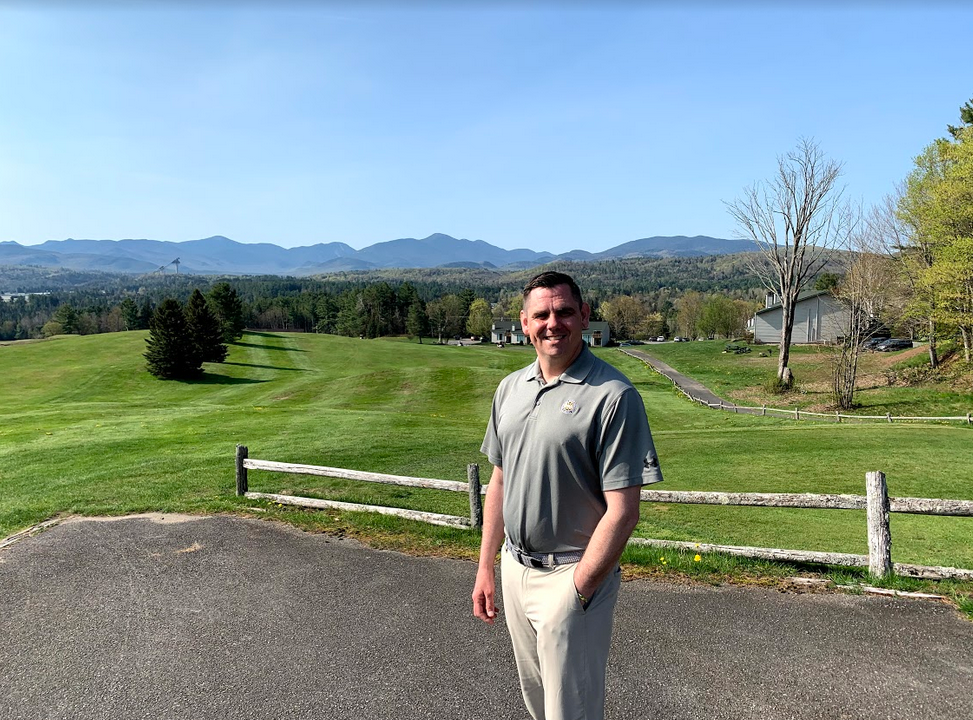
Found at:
(220, 255)
(678, 246)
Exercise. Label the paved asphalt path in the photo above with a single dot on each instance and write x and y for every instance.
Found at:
(687, 384)
(221, 617)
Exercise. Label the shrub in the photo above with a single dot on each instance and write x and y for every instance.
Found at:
(52, 328)
(776, 386)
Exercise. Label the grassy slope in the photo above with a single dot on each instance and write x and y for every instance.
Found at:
(741, 378)
(83, 428)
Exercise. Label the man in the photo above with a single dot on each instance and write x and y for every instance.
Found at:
(570, 445)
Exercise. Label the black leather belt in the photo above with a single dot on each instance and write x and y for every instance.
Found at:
(543, 560)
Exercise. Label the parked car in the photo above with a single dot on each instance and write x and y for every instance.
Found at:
(893, 344)
(661, 338)
(679, 338)
(873, 343)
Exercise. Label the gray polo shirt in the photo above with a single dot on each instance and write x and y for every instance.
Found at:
(561, 445)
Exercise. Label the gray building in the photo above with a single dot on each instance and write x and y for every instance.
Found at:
(819, 317)
(510, 332)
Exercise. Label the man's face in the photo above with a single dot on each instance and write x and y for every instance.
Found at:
(553, 322)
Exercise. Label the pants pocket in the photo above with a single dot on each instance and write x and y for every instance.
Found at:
(575, 597)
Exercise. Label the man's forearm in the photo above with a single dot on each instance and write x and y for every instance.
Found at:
(492, 537)
(608, 540)
(485, 587)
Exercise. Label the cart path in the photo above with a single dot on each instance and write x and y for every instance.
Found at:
(225, 617)
(685, 383)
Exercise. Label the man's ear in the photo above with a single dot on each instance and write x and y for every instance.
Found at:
(523, 324)
(585, 315)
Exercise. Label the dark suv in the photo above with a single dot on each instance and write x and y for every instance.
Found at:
(893, 344)
(873, 343)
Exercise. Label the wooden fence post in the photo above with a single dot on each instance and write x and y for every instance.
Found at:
(241, 471)
(476, 503)
(879, 533)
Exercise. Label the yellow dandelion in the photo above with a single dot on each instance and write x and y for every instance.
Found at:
(697, 558)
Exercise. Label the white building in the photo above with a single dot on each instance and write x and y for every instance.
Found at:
(819, 317)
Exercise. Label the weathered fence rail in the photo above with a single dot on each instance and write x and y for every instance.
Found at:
(876, 503)
(472, 487)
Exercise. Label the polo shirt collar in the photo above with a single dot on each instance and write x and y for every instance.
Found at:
(575, 374)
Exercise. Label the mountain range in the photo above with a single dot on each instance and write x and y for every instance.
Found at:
(222, 256)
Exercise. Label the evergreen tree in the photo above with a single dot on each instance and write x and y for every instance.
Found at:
(467, 296)
(67, 316)
(417, 322)
(405, 297)
(326, 314)
(130, 314)
(205, 331)
(966, 120)
(145, 315)
(228, 308)
(170, 353)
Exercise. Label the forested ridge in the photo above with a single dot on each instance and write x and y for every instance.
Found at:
(344, 302)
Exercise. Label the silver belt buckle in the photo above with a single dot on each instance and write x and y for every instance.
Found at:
(528, 560)
(534, 562)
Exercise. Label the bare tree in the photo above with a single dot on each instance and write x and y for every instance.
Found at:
(866, 289)
(796, 219)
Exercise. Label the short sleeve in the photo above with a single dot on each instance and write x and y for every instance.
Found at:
(491, 446)
(627, 456)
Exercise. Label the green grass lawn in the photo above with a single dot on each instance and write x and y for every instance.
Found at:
(85, 429)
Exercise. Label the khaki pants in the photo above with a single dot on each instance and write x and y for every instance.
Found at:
(560, 647)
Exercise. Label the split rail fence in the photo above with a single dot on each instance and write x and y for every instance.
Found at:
(798, 414)
(876, 502)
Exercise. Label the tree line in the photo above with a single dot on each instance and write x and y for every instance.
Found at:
(436, 303)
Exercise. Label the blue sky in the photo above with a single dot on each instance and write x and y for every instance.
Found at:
(540, 125)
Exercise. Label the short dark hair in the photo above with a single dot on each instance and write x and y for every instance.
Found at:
(552, 279)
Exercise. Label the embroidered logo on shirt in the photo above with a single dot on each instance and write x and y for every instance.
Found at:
(569, 407)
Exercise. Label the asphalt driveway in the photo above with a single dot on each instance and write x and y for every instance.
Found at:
(176, 617)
